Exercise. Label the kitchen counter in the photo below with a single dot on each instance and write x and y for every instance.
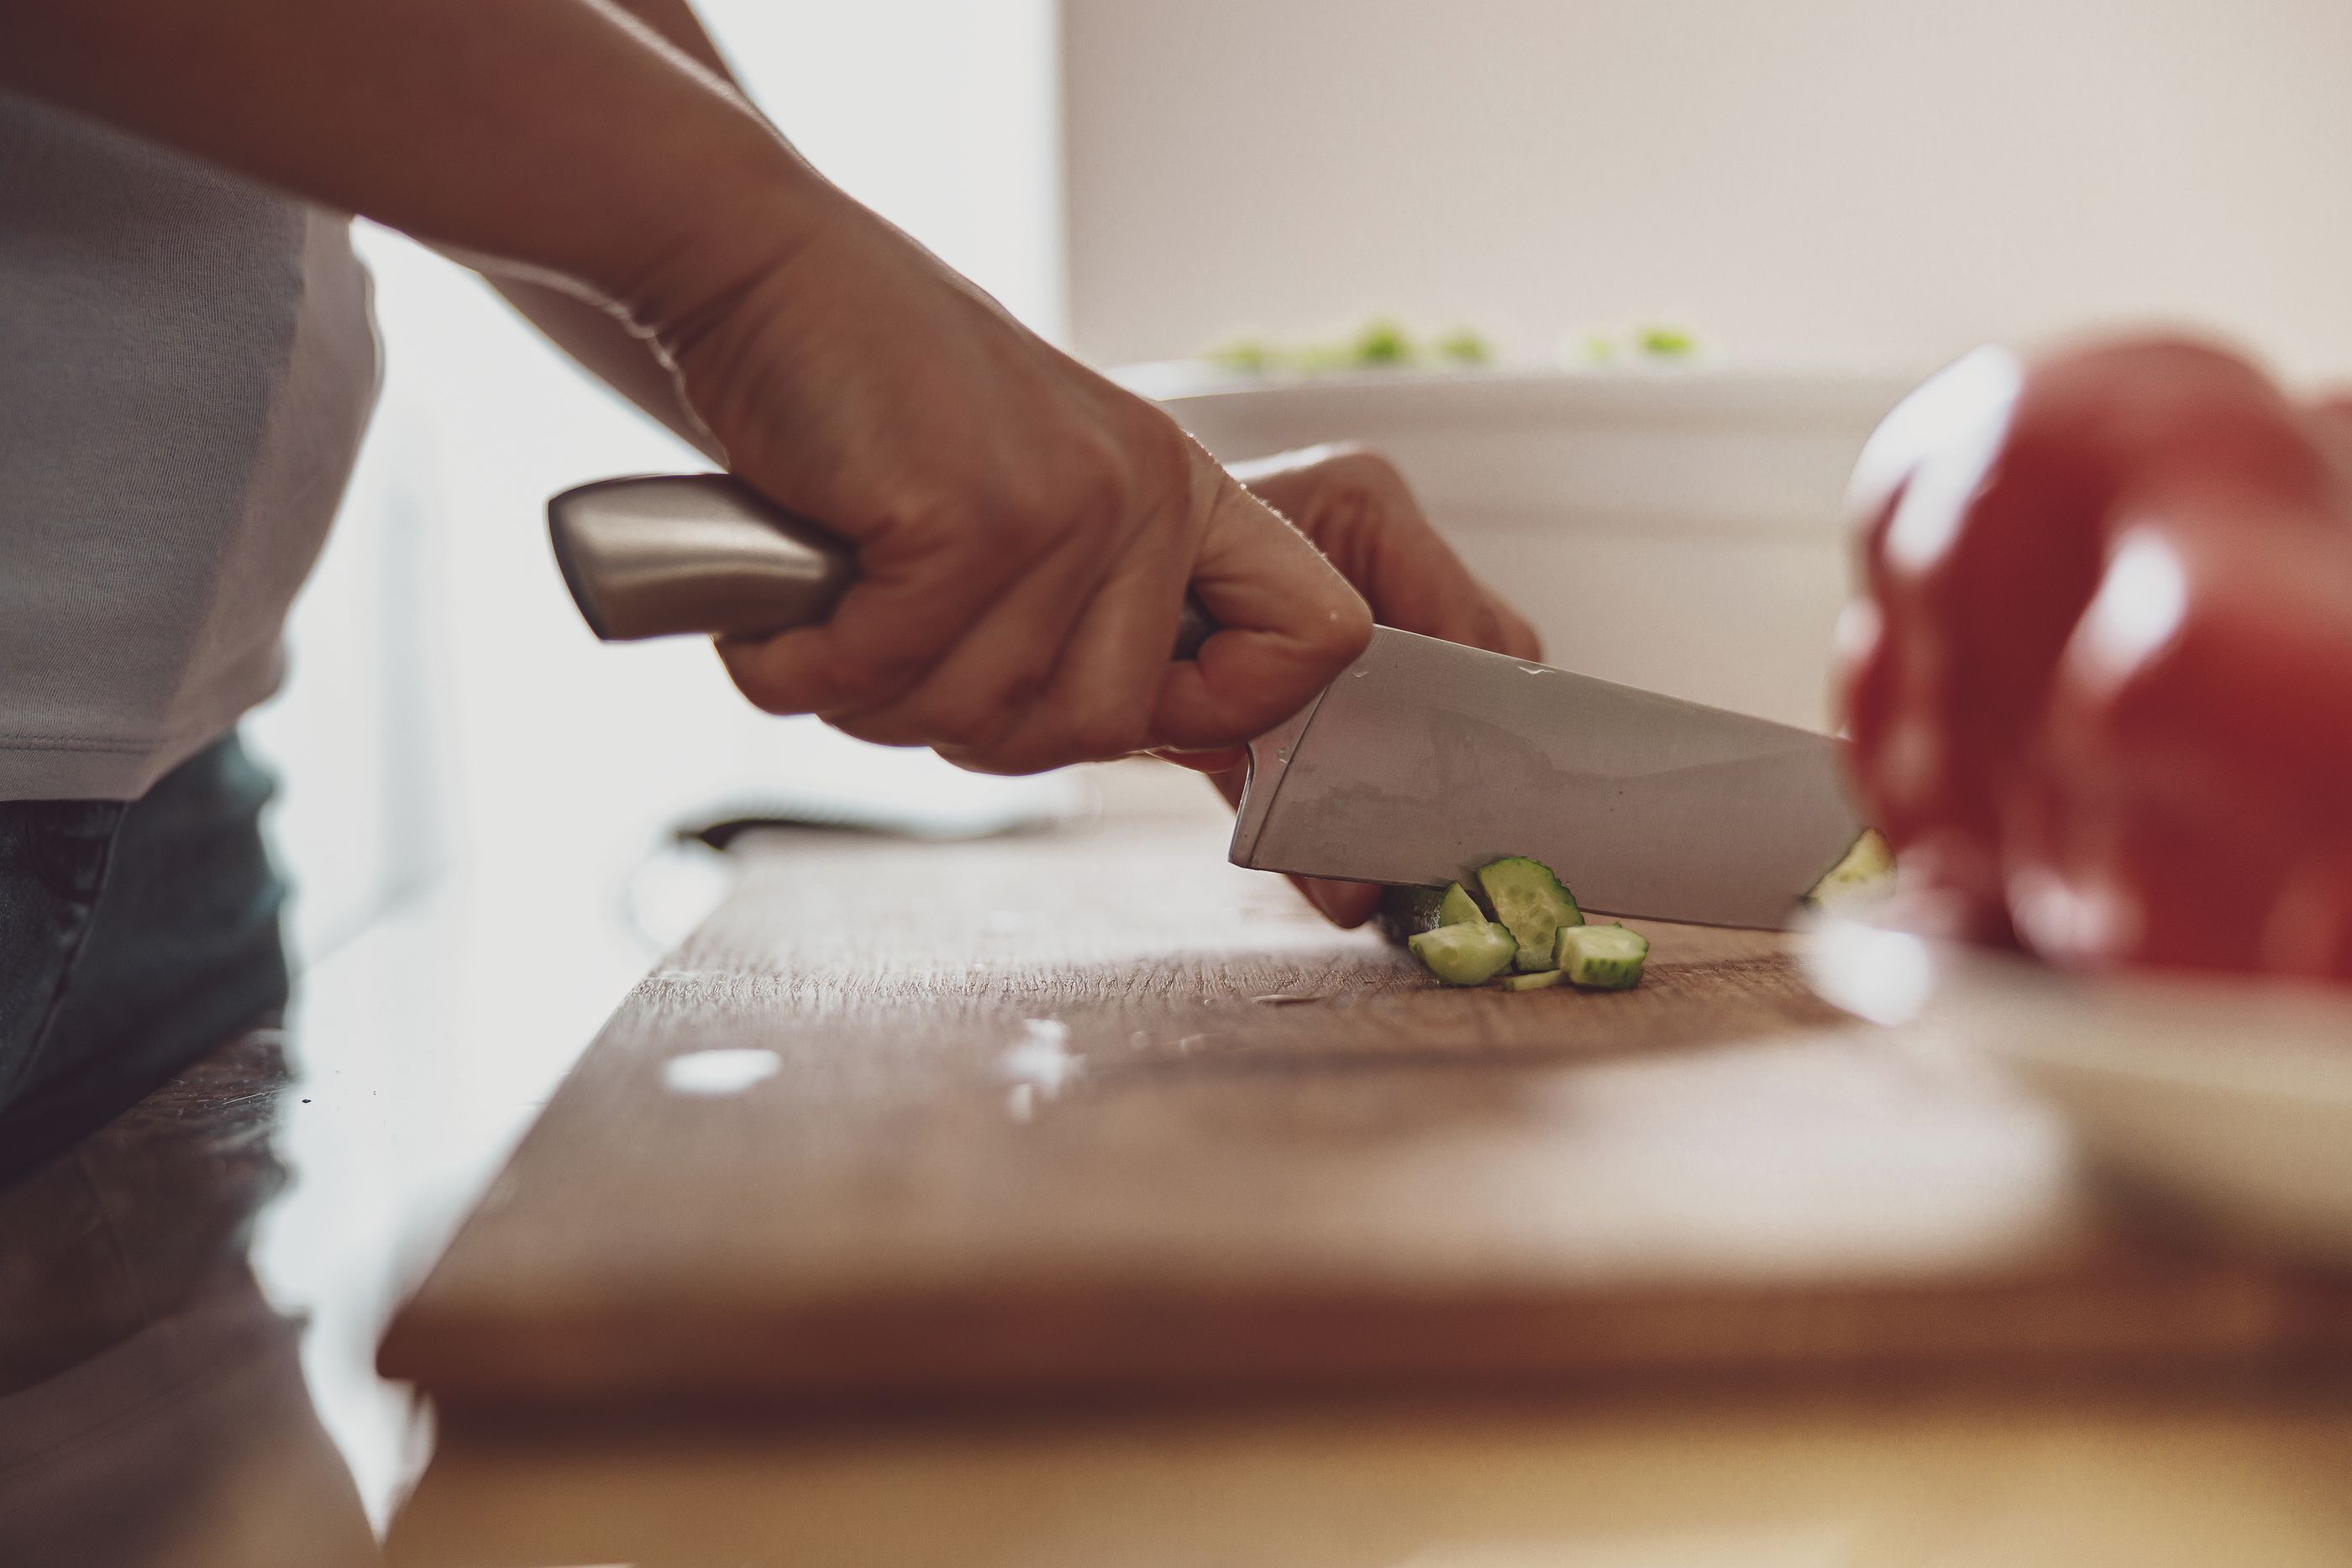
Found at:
(1728, 1337)
(1081, 1200)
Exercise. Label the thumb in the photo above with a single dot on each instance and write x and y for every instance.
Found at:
(1287, 624)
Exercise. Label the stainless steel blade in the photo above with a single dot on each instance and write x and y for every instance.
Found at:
(1426, 759)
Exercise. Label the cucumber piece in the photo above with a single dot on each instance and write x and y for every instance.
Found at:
(1601, 957)
(1457, 907)
(1465, 955)
(1866, 872)
(1540, 980)
(1405, 913)
(1529, 899)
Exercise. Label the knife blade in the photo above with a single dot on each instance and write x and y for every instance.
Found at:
(1422, 761)
(1426, 759)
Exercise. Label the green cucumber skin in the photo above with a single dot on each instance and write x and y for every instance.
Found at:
(1541, 980)
(1465, 955)
(1529, 899)
(1405, 913)
(1601, 957)
(1604, 974)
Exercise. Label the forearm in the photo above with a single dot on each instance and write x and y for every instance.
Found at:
(562, 137)
(607, 350)
(595, 338)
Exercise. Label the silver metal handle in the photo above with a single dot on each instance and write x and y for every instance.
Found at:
(664, 554)
(670, 555)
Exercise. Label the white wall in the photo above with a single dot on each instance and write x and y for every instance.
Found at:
(943, 115)
(447, 710)
(1811, 180)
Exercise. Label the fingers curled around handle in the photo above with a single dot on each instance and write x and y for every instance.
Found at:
(1356, 508)
(1287, 624)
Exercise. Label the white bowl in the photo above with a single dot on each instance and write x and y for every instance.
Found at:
(2228, 1100)
(1674, 529)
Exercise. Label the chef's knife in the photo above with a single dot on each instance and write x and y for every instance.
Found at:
(1422, 761)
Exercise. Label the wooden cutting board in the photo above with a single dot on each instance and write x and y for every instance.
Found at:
(1095, 1112)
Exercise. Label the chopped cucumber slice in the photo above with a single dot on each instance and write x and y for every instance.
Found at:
(1601, 957)
(1406, 912)
(1458, 908)
(1867, 872)
(1538, 981)
(1529, 899)
(1465, 955)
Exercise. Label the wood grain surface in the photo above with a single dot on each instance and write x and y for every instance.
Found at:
(1096, 1113)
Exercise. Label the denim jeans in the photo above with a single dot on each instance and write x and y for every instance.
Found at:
(133, 935)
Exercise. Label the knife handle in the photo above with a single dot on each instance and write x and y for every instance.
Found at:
(670, 555)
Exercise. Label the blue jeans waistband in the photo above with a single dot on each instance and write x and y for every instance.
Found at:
(133, 935)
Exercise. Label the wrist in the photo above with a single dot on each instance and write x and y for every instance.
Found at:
(741, 218)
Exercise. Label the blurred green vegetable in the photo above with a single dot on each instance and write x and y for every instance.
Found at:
(1254, 355)
(1466, 346)
(1314, 359)
(1660, 341)
(1650, 341)
(1382, 342)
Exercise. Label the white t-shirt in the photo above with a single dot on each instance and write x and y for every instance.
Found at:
(187, 360)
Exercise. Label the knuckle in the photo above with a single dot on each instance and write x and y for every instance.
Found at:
(983, 535)
(1092, 480)
(1025, 523)
(1374, 483)
(924, 521)
(1351, 518)
(1371, 468)
(1107, 484)
(1159, 461)
(1076, 490)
